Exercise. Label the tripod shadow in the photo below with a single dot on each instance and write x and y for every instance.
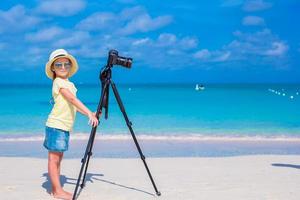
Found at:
(90, 177)
(285, 165)
(63, 180)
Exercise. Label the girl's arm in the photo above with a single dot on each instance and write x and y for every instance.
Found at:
(79, 105)
(81, 111)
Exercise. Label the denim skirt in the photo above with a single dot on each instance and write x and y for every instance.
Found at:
(56, 139)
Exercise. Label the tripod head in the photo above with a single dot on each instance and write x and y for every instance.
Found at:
(105, 74)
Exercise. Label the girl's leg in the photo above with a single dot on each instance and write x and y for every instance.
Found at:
(60, 159)
(53, 162)
(54, 159)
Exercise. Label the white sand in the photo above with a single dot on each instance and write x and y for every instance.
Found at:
(245, 177)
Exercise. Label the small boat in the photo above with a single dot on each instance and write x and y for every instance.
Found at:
(201, 87)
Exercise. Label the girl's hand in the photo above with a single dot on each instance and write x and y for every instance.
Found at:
(93, 121)
(96, 113)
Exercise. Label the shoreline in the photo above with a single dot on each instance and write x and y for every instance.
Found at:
(241, 177)
(18, 137)
(124, 147)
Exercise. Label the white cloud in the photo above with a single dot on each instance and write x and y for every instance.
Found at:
(46, 34)
(164, 51)
(95, 47)
(59, 37)
(127, 22)
(140, 41)
(258, 47)
(36, 51)
(188, 43)
(88, 51)
(98, 21)
(261, 43)
(130, 13)
(174, 52)
(256, 5)
(277, 49)
(205, 55)
(36, 55)
(60, 8)
(96, 34)
(166, 39)
(144, 23)
(108, 21)
(224, 56)
(72, 39)
(253, 21)
(17, 19)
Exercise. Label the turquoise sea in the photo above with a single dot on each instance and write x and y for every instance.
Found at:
(163, 112)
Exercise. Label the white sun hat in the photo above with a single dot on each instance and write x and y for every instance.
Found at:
(60, 53)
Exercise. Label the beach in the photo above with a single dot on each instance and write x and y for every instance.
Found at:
(206, 92)
(241, 177)
(226, 142)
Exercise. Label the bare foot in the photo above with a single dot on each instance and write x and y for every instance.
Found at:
(69, 193)
(62, 195)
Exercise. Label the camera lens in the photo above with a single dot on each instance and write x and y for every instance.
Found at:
(115, 59)
(126, 62)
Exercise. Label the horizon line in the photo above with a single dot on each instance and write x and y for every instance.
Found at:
(158, 83)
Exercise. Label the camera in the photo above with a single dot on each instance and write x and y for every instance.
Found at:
(115, 59)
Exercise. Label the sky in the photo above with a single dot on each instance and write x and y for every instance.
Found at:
(217, 41)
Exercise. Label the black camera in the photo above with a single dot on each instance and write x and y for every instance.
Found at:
(115, 59)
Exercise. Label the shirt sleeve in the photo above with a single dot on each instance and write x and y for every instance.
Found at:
(75, 89)
(57, 84)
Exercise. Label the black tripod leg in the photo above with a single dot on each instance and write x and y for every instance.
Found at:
(83, 163)
(88, 151)
(88, 158)
(129, 124)
(105, 93)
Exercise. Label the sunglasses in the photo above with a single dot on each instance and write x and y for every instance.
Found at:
(59, 65)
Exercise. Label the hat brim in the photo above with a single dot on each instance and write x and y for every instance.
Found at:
(73, 69)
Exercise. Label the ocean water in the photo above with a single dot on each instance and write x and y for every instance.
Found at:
(163, 111)
(219, 110)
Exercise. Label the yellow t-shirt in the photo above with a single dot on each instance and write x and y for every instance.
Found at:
(63, 112)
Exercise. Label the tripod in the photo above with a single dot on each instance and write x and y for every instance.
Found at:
(105, 77)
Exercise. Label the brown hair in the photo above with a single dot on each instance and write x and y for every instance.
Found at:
(54, 74)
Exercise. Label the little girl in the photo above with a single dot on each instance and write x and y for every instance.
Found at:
(59, 68)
